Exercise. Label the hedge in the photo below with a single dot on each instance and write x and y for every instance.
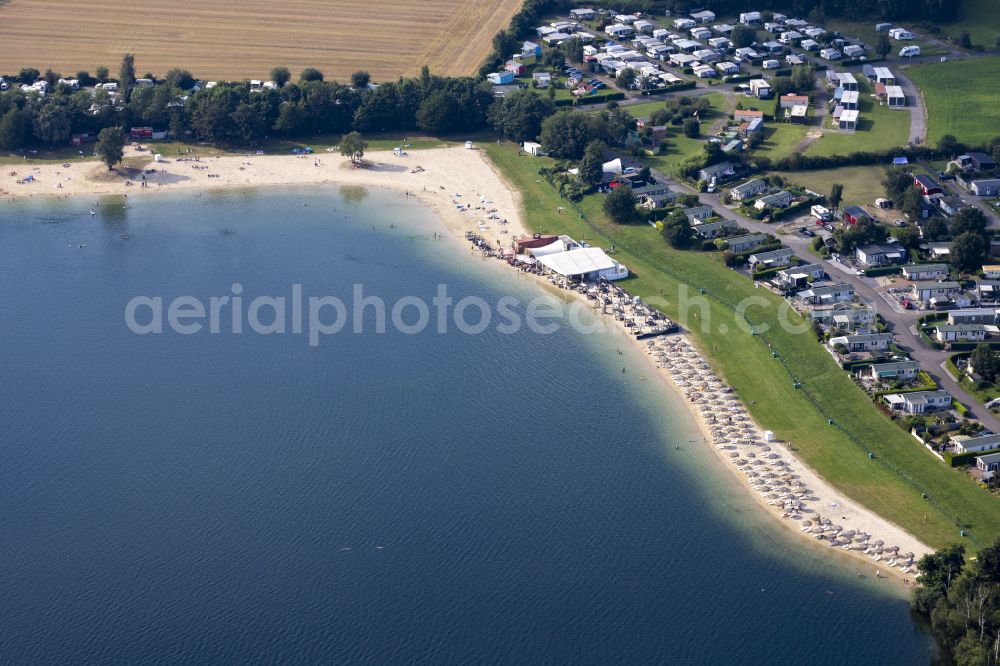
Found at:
(930, 318)
(859, 62)
(740, 78)
(933, 344)
(766, 273)
(883, 270)
(687, 85)
(969, 346)
(798, 162)
(794, 208)
(592, 99)
(959, 459)
(959, 407)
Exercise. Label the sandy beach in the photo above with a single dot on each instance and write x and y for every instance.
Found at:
(460, 184)
(470, 195)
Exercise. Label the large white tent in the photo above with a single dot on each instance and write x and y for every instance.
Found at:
(592, 262)
(552, 248)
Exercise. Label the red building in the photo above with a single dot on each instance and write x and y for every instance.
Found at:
(927, 185)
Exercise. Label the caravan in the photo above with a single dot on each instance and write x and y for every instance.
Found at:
(909, 51)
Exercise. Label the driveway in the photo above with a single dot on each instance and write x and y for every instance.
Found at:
(918, 110)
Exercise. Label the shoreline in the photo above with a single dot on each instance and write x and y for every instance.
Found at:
(844, 513)
(461, 186)
(453, 181)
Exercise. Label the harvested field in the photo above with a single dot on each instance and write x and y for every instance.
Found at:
(228, 40)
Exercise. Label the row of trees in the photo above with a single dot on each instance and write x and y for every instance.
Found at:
(232, 112)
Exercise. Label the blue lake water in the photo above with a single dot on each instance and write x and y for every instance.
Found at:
(382, 498)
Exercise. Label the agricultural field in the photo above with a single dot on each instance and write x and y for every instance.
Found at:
(962, 98)
(224, 40)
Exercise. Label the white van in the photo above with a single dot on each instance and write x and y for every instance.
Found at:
(909, 51)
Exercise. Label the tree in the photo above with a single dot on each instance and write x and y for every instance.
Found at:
(15, 129)
(942, 567)
(519, 115)
(912, 203)
(567, 133)
(111, 146)
(179, 78)
(591, 165)
(949, 145)
(290, 121)
(101, 73)
(553, 58)
(126, 75)
(311, 74)
(677, 229)
(968, 219)
(896, 184)
(440, 112)
(626, 78)
(281, 76)
(883, 46)
(620, 205)
(692, 128)
(968, 250)
(53, 123)
(850, 237)
(964, 40)
(935, 229)
(906, 236)
(28, 75)
(836, 195)
(353, 146)
(51, 78)
(743, 36)
(360, 79)
(985, 362)
(618, 122)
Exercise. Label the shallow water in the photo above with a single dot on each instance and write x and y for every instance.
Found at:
(379, 497)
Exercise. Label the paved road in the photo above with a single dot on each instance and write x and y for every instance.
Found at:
(899, 322)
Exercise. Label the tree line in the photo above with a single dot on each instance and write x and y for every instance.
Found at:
(233, 112)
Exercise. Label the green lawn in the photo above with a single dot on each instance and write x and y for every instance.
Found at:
(680, 147)
(962, 98)
(981, 19)
(891, 483)
(780, 139)
(862, 184)
(880, 128)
